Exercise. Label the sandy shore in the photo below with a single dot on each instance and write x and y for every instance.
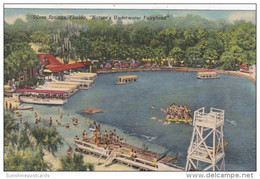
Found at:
(48, 157)
(99, 164)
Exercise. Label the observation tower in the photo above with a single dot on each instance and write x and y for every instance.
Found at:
(206, 150)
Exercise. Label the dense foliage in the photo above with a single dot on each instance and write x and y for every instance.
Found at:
(75, 163)
(24, 148)
(185, 40)
(20, 152)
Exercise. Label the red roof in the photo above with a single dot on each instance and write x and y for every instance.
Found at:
(243, 66)
(40, 91)
(56, 66)
(46, 58)
(65, 67)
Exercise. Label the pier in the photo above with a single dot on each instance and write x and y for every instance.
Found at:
(143, 160)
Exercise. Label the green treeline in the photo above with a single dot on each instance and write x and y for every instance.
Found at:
(182, 41)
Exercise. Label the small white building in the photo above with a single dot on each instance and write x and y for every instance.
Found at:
(252, 70)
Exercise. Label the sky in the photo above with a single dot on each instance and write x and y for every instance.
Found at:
(230, 15)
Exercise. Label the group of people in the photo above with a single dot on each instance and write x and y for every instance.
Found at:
(112, 138)
(107, 138)
(177, 112)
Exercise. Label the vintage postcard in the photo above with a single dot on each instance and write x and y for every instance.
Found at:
(129, 87)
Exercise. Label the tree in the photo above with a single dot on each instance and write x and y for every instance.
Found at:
(75, 163)
(210, 55)
(167, 36)
(24, 140)
(29, 161)
(48, 138)
(40, 37)
(237, 52)
(18, 60)
(158, 55)
(193, 52)
(227, 60)
(177, 53)
(202, 34)
(11, 129)
(190, 37)
(101, 39)
(248, 57)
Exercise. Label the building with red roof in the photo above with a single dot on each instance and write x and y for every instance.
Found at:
(54, 65)
(243, 68)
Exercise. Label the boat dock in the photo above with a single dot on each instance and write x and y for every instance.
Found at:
(142, 160)
(54, 91)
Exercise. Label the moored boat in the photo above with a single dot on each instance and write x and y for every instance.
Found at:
(126, 79)
(84, 84)
(207, 75)
(24, 108)
(37, 96)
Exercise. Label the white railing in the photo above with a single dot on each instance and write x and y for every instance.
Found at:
(214, 117)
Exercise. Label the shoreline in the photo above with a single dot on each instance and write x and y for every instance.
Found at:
(178, 69)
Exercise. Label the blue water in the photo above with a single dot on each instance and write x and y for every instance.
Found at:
(127, 108)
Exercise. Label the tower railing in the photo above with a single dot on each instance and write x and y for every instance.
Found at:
(213, 119)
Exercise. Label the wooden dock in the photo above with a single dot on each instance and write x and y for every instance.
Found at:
(144, 160)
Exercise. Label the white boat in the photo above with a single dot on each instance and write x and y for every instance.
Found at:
(33, 100)
(207, 75)
(86, 76)
(24, 108)
(84, 84)
(69, 91)
(39, 96)
(126, 79)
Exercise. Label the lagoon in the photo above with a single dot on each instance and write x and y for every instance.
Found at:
(127, 108)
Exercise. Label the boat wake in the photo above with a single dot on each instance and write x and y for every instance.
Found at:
(231, 122)
(149, 138)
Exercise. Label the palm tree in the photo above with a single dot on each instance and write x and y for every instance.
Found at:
(24, 140)
(168, 36)
(75, 163)
(48, 138)
(10, 128)
(26, 161)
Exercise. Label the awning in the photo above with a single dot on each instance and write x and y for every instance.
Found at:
(47, 71)
(40, 91)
